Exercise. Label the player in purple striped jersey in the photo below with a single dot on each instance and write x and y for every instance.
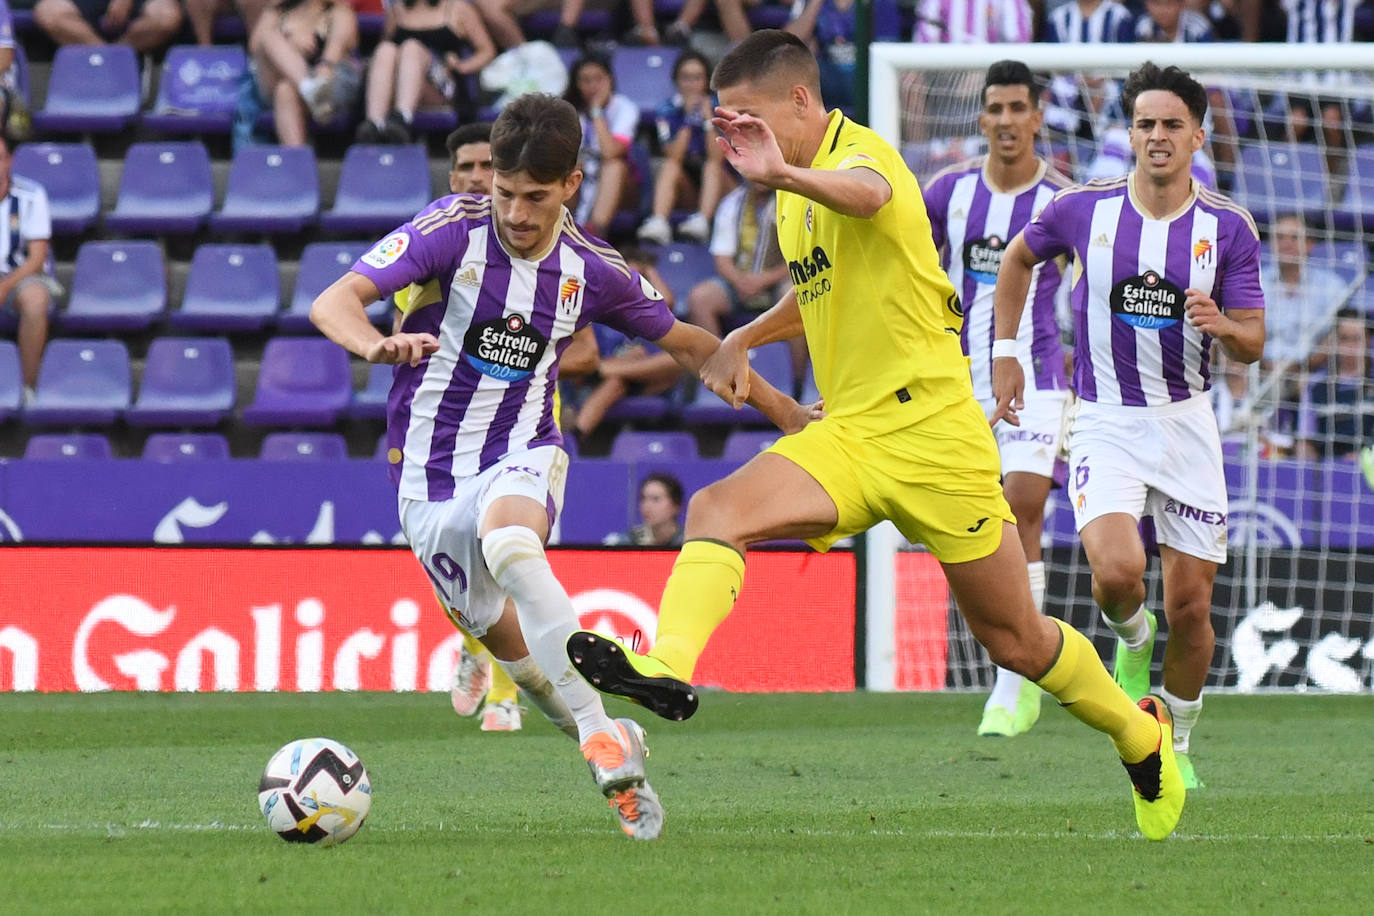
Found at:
(474, 450)
(1164, 269)
(975, 209)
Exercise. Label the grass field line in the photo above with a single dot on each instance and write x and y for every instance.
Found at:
(113, 829)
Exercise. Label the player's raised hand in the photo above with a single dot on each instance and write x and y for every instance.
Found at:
(1202, 311)
(749, 146)
(726, 373)
(402, 348)
(1009, 388)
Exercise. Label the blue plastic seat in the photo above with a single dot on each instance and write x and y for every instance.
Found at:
(199, 89)
(1344, 258)
(380, 187)
(304, 447)
(683, 265)
(70, 175)
(187, 381)
(230, 288)
(270, 189)
(81, 382)
(172, 447)
(645, 77)
(321, 264)
(165, 189)
(1280, 178)
(11, 380)
(743, 444)
(369, 403)
(772, 361)
(640, 445)
(116, 286)
(92, 88)
(68, 447)
(304, 381)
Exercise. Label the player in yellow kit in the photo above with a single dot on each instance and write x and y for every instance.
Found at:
(903, 438)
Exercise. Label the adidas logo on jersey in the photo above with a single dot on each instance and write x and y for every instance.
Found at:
(468, 277)
(1102, 241)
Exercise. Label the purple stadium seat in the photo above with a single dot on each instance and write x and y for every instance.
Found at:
(92, 88)
(187, 381)
(645, 77)
(638, 445)
(165, 188)
(199, 89)
(116, 286)
(640, 408)
(70, 175)
(684, 265)
(370, 402)
(1359, 192)
(230, 288)
(304, 381)
(434, 120)
(596, 501)
(380, 187)
(11, 381)
(170, 447)
(810, 393)
(1344, 258)
(304, 447)
(772, 361)
(68, 446)
(321, 264)
(540, 24)
(271, 189)
(743, 444)
(768, 16)
(80, 382)
(1280, 178)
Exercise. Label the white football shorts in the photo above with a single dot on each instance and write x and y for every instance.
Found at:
(1032, 447)
(1164, 462)
(444, 535)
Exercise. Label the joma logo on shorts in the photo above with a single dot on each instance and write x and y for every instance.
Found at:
(1197, 515)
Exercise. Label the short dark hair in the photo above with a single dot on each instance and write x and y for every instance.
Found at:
(539, 134)
(574, 94)
(1346, 311)
(638, 254)
(1012, 73)
(670, 483)
(476, 132)
(768, 54)
(686, 57)
(1168, 79)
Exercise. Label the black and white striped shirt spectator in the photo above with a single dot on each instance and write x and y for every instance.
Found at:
(1320, 21)
(1084, 22)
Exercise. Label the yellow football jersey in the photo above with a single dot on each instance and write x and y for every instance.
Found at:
(882, 320)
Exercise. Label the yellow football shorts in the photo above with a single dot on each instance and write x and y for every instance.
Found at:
(938, 481)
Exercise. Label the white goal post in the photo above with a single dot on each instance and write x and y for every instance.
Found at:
(1294, 606)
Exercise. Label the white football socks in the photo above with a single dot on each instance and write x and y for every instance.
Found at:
(1185, 714)
(1134, 630)
(530, 678)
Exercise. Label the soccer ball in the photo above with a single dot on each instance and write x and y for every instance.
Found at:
(315, 790)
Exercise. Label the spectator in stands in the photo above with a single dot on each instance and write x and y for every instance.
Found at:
(660, 511)
(1299, 297)
(202, 13)
(751, 273)
(427, 52)
(27, 286)
(1171, 21)
(14, 113)
(1340, 419)
(144, 25)
(609, 122)
(827, 26)
(304, 55)
(626, 367)
(1235, 20)
(967, 22)
(734, 20)
(502, 19)
(1084, 106)
(693, 169)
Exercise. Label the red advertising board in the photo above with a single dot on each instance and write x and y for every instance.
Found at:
(143, 618)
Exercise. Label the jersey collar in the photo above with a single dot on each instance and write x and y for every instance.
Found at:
(1145, 212)
(831, 138)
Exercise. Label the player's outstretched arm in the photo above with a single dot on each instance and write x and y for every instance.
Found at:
(339, 314)
(1008, 301)
(727, 372)
(749, 146)
(692, 346)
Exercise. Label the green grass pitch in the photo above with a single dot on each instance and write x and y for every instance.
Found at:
(830, 804)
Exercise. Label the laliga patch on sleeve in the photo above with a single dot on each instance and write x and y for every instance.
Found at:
(388, 250)
(649, 290)
(856, 159)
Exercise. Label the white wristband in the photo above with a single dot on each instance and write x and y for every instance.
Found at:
(1004, 347)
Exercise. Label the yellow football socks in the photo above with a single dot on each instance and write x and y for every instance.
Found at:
(1082, 685)
(702, 589)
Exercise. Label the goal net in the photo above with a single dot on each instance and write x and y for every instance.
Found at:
(1291, 138)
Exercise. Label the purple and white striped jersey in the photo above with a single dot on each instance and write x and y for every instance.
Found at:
(1132, 343)
(972, 21)
(502, 322)
(972, 225)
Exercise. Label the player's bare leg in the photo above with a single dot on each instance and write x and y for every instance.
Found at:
(1013, 706)
(1117, 558)
(770, 497)
(1188, 651)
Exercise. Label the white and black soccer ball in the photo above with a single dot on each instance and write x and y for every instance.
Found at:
(315, 790)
